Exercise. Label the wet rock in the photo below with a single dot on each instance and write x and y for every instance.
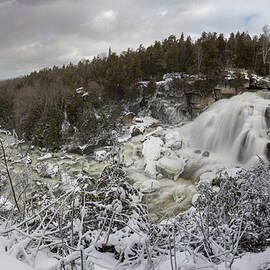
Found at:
(206, 154)
(170, 168)
(75, 150)
(267, 116)
(169, 111)
(267, 151)
(89, 149)
(177, 146)
(135, 132)
(128, 118)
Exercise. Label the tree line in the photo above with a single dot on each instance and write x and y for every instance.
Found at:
(34, 105)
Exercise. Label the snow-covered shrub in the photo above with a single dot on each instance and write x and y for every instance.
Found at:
(231, 221)
(124, 227)
(93, 214)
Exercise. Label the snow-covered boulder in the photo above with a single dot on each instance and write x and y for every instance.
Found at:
(47, 169)
(100, 155)
(173, 140)
(148, 186)
(170, 168)
(151, 153)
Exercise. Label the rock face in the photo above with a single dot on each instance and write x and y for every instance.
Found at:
(170, 168)
(169, 112)
(259, 83)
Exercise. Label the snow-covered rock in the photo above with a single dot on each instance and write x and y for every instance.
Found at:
(173, 140)
(148, 186)
(47, 169)
(45, 157)
(151, 153)
(170, 168)
(100, 155)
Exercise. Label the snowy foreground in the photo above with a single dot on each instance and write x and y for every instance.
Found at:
(68, 218)
(247, 262)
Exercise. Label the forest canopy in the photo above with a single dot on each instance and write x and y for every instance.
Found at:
(37, 104)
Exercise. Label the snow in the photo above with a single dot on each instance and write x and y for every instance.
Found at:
(151, 152)
(100, 155)
(47, 169)
(9, 263)
(171, 168)
(5, 204)
(148, 186)
(47, 156)
(143, 123)
(208, 177)
(172, 138)
(249, 261)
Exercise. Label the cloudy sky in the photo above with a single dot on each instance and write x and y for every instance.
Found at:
(41, 33)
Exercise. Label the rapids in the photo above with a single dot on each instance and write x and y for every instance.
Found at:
(166, 162)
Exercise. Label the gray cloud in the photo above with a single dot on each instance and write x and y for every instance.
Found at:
(42, 33)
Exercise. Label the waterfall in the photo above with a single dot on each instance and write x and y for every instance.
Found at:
(233, 129)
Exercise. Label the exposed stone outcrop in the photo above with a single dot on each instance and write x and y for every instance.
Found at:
(128, 118)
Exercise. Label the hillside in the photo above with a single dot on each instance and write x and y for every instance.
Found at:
(37, 105)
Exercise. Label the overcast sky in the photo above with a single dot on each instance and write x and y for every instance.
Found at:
(41, 33)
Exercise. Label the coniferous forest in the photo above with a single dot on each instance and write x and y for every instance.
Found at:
(37, 104)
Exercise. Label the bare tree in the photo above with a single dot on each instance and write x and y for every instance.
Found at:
(266, 44)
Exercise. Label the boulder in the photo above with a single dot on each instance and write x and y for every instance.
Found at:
(100, 155)
(148, 186)
(173, 140)
(128, 118)
(47, 169)
(135, 131)
(206, 154)
(151, 153)
(170, 168)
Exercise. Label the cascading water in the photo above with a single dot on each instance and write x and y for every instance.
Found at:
(233, 130)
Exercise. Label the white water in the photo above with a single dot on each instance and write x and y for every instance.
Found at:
(233, 130)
